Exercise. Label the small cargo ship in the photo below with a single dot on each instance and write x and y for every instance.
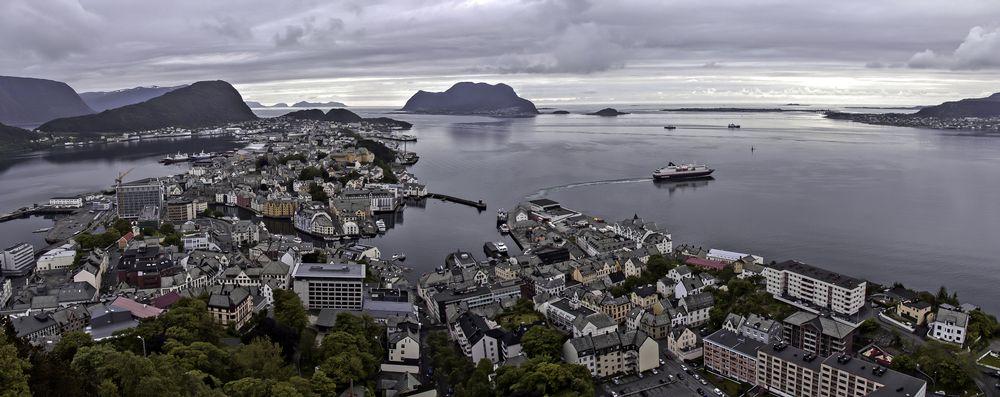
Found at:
(683, 171)
(731, 125)
(669, 127)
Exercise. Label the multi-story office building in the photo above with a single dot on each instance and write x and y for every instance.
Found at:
(333, 286)
(180, 210)
(134, 197)
(17, 260)
(818, 335)
(796, 280)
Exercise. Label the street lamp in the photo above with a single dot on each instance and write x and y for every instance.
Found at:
(143, 344)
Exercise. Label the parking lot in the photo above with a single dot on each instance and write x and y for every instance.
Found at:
(670, 379)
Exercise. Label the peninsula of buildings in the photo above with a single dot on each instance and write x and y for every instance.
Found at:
(584, 305)
(976, 114)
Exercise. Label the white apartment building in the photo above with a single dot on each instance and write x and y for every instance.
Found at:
(17, 260)
(66, 202)
(819, 287)
(334, 286)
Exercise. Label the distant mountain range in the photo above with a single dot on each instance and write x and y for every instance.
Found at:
(30, 102)
(467, 98)
(200, 104)
(104, 100)
(972, 107)
(343, 116)
(302, 104)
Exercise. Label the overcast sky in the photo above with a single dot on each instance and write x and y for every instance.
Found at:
(375, 52)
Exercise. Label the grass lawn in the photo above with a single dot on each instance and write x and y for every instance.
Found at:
(990, 360)
(512, 320)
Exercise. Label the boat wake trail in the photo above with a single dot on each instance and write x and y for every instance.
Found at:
(546, 190)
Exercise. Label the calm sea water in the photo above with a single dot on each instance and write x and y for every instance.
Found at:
(883, 203)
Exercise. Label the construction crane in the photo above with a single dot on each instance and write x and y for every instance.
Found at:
(121, 175)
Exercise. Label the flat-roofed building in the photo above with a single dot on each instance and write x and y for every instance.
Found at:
(787, 371)
(847, 377)
(796, 280)
(136, 196)
(333, 286)
(731, 355)
(17, 260)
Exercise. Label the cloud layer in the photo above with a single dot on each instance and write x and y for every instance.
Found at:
(375, 51)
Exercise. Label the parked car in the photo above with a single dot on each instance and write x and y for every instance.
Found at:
(718, 392)
(655, 372)
(703, 382)
(679, 376)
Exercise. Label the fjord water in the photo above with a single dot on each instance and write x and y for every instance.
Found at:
(884, 203)
(921, 207)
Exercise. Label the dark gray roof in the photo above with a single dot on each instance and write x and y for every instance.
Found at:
(795, 356)
(329, 270)
(819, 274)
(828, 326)
(892, 380)
(736, 342)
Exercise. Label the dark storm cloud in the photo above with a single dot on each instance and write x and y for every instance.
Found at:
(100, 44)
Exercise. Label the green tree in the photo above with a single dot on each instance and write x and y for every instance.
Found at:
(288, 310)
(13, 370)
(167, 228)
(261, 359)
(541, 341)
(317, 193)
(547, 378)
(869, 326)
(122, 226)
(478, 383)
(310, 173)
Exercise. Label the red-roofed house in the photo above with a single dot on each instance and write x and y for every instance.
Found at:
(166, 300)
(138, 310)
(705, 263)
(124, 240)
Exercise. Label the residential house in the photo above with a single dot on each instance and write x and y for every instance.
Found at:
(949, 326)
(684, 343)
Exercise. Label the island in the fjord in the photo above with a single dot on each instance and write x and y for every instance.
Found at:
(467, 98)
(200, 104)
(344, 116)
(607, 112)
(29, 102)
(980, 114)
(104, 100)
(560, 112)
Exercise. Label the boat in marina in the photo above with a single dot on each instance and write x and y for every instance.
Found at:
(380, 224)
(684, 171)
(176, 158)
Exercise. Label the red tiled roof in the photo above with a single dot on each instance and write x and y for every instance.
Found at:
(706, 263)
(138, 309)
(166, 300)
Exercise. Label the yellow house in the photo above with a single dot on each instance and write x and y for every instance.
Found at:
(920, 311)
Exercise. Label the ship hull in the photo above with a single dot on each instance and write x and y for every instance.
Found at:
(683, 175)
